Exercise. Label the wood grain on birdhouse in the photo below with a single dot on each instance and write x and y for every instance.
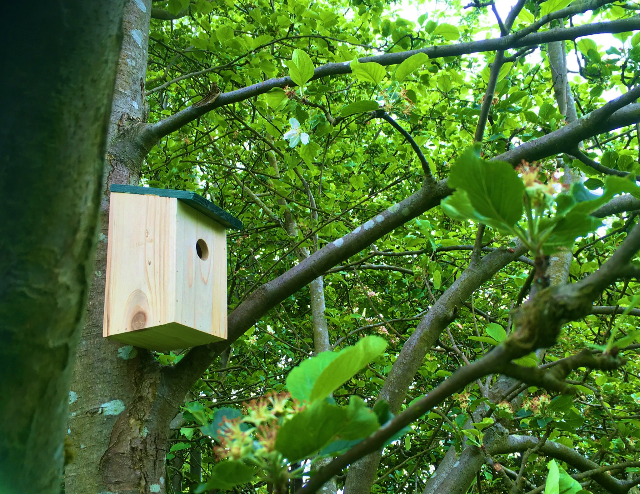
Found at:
(166, 273)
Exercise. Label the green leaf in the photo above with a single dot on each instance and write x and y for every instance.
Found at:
(496, 331)
(196, 409)
(437, 279)
(381, 409)
(486, 422)
(458, 206)
(300, 67)
(504, 70)
(361, 421)
(444, 83)
(359, 107)
(493, 190)
(552, 6)
(586, 44)
(628, 340)
(179, 447)
(220, 416)
(614, 332)
(412, 63)
(562, 403)
(447, 31)
(301, 379)
(310, 430)
(567, 484)
(275, 97)
(309, 152)
(484, 339)
(636, 39)
(368, 72)
(348, 363)
(567, 229)
(527, 361)
(552, 485)
(228, 474)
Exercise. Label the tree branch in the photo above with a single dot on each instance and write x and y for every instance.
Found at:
(175, 122)
(423, 161)
(514, 444)
(458, 380)
(576, 153)
(570, 135)
(273, 292)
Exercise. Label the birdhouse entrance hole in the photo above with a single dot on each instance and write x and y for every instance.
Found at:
(202, 250)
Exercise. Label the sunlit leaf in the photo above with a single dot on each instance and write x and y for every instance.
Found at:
(447, 31)
(368, 72)
(411, 64)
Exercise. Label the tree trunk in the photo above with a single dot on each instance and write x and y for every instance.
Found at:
(121, 408)
(59, 63)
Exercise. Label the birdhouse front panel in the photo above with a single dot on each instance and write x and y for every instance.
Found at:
(166, 269)
(201, 274)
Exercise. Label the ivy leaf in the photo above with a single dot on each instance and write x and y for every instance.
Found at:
(368, 72)
(447, 31)
(412, 63)
(359, 107)
(300, 67)
(348, 362)
(228, 474)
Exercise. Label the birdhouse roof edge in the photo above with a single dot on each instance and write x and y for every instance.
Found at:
(197, 202)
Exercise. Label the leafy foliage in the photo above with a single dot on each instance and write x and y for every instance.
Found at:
(353, 169)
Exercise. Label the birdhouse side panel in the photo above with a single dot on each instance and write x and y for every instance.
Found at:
(141, 263)
(201, 280)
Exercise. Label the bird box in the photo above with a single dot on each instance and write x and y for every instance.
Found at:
(166, 269)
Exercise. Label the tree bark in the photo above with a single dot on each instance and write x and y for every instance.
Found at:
(59, 66)
(121, 408)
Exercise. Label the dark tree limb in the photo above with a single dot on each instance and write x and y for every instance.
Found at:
(576, 153)
(423, 161)
(271, 293)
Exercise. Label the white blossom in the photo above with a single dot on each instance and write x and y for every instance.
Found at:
(295, 135)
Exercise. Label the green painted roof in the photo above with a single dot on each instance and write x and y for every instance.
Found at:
(192, 199)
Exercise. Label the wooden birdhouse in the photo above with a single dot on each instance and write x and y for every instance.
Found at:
(166, 269)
